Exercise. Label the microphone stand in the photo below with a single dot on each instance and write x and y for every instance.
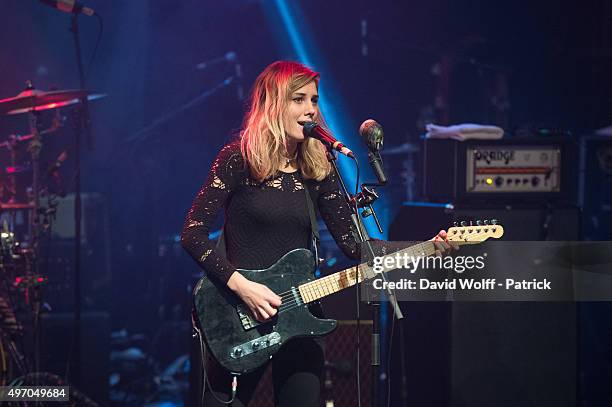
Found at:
(368, 196)
(81, 121)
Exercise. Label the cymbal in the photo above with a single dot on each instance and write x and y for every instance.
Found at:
(37, 100)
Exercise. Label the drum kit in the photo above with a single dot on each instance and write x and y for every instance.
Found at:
(28, 201)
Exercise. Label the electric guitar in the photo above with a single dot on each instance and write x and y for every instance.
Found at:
(241, 344)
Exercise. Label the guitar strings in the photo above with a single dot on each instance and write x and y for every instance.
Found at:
(290, 295)
(293, 303)
(289, 301)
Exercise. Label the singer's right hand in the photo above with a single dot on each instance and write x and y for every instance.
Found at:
(262, 301)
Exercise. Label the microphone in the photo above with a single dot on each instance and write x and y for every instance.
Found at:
(69, 6)
(311, 129)
(229, 57)
(372, 134)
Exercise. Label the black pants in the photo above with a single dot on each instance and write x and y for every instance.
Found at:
(297, 369)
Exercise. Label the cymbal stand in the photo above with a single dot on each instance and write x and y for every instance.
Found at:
(34, 148)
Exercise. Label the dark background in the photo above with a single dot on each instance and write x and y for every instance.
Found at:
(548, 63)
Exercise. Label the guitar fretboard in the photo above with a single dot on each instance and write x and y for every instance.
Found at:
(333, 283)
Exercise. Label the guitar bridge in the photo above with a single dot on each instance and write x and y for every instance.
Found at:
(255, 345)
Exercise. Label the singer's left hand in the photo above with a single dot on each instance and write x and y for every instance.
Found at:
(443, 246)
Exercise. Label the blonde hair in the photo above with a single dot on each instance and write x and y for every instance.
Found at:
(262, 138)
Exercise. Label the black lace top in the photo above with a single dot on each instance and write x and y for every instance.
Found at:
(263, 221)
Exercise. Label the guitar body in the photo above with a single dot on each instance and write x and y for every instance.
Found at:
(241, 344)
(236, 340)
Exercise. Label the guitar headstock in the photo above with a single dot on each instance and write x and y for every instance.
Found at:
(475, 232)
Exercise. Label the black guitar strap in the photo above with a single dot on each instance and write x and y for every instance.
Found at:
(314, 227)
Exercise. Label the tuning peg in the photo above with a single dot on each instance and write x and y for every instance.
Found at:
(478, 222)
(463, 223)
(493, 221)
(455, 224)
(471, 223)
(486, 222)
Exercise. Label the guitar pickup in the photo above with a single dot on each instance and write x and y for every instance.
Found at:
(246, 319)
(255, 345)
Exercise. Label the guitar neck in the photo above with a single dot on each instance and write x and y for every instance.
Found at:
(346, 278)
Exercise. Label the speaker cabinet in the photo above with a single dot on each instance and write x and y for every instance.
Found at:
(498, 353)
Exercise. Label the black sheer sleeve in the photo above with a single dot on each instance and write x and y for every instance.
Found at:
(223, 177)
(337, 216)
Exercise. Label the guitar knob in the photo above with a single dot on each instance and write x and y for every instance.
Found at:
(494, 221)
(238, 352)
(478, 222)
(463, 223)
(486, 222)
(256, 345)
(455, 224)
